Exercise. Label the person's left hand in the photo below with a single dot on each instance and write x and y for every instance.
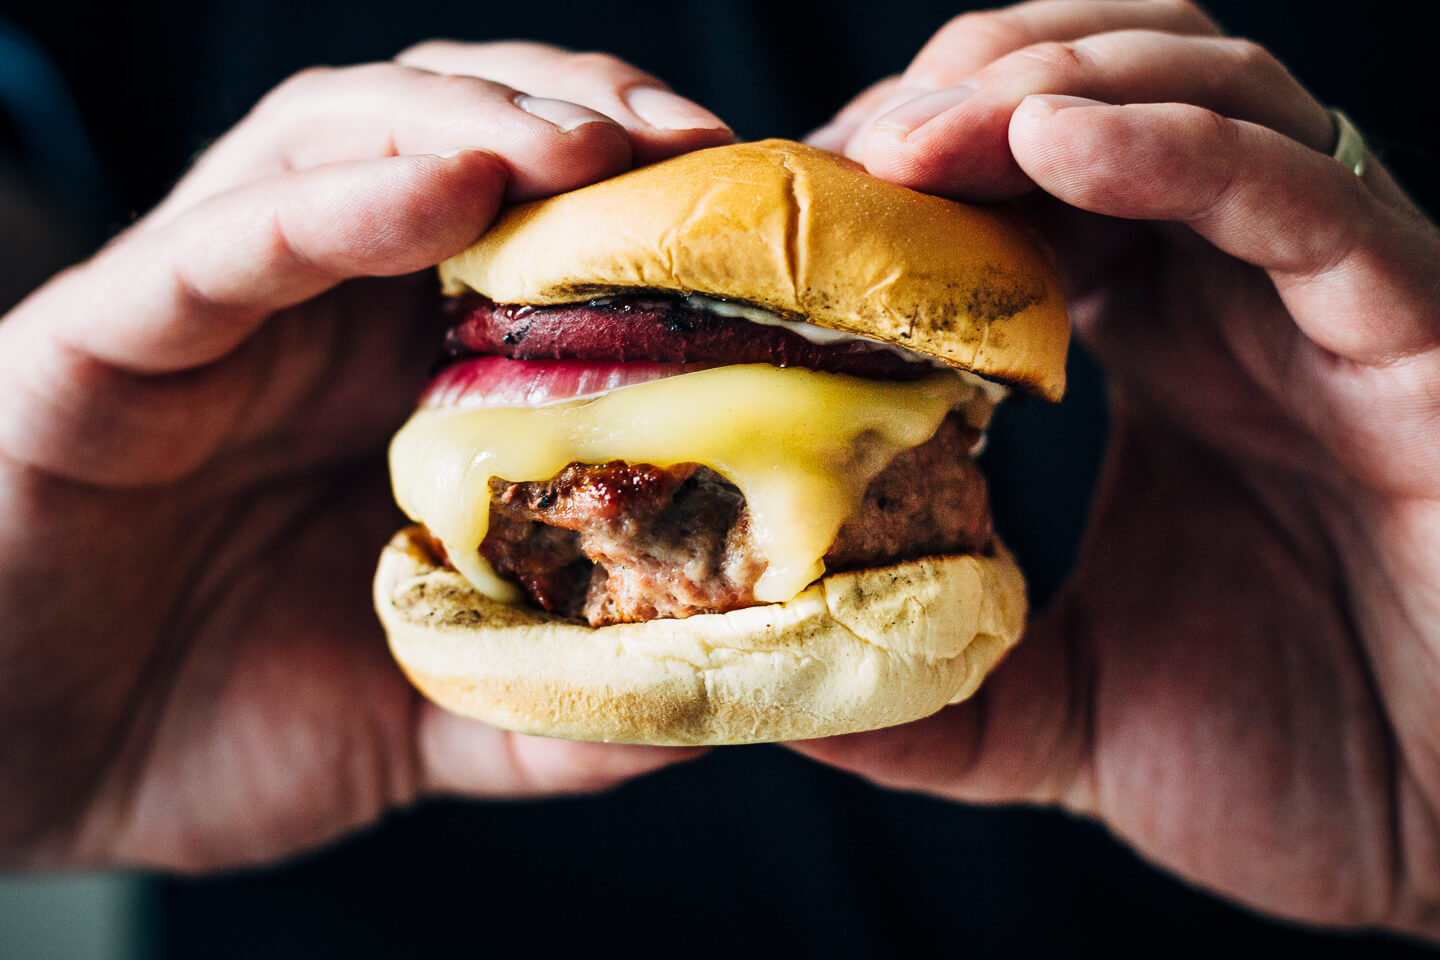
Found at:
(1240, 677)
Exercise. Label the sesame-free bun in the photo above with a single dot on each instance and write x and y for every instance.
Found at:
(854, 651)
(803, 233)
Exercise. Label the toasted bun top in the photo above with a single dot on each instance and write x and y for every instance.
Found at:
(800, 232)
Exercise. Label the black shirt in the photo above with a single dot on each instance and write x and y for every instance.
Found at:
(750, 851)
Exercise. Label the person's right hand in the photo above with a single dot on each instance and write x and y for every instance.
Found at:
(192, 484)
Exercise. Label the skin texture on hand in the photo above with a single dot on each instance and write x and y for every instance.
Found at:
(1239, 678)
(191, 468)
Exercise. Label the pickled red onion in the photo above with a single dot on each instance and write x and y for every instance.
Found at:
(502, 382)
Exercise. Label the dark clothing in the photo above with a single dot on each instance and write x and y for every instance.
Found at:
(751, 851)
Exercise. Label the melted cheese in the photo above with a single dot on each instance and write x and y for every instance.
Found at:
(802, 446)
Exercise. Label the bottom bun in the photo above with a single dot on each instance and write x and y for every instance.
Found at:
(855, 651)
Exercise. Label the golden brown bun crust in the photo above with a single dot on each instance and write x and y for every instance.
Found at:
(801, 232)
(855, 651)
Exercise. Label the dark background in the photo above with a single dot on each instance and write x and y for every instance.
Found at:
(751, 851)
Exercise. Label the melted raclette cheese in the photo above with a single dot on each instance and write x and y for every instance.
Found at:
(801, 446)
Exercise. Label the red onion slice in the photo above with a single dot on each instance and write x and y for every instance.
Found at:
(502, 382)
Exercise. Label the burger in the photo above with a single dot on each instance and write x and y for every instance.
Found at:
(698, 465)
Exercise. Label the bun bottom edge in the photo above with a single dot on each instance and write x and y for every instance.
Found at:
(855, 651)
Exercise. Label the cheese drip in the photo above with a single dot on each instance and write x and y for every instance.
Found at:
(801, 446)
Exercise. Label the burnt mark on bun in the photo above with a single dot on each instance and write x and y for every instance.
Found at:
(999, 294)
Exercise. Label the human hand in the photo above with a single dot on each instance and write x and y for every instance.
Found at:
(192, 426)
(1240, 677)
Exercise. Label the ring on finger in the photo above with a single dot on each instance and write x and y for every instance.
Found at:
(1349, 145)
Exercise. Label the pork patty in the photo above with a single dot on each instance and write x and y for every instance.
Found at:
(619, 543)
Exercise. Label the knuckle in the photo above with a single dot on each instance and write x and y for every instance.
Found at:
(424, 50)
(1185, 17)
(541, 53)
(982, 36)
(315, 84)
(1223, 178)
(1055, 56)
(298, 86)
(1192, 16)
(462, 89)
(1253, 58)
(302, 93)
(993, 27)
(1224, 130)
(307, 78)
(596, 62)
(382, 72)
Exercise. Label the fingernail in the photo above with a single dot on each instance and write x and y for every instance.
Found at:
(922, 110)
(670, 111)
(1059, 101)
(562, 113)
(452, 154)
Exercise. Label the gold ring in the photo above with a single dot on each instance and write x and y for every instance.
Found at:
(1349, 145)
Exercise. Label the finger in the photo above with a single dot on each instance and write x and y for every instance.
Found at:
(972, 41)
(111, 368)
(955, 141)
(186, 294)
(463, 756)
(1357, 274)
(1022, 738)
(661, 123)
(327, 115)
(868, 103)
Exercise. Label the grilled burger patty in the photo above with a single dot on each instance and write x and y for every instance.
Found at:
(617, 542)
